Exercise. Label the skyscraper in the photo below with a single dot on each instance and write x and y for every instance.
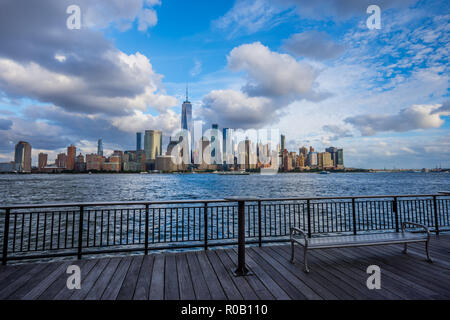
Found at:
(152, 144)
(100, 147)
(138, 141)
(283, 143)
(22, 157)
(42, 160)
(186, 121)
(340, 158)
(186, 114)
(71, 154)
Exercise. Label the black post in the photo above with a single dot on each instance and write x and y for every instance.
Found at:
(205, 217)
(241, 268)
(309, 218)
(354, 216)
(80, 233)
(395, 208)
(146, 228)
(259, 224)
(5, 238)
(436, 218)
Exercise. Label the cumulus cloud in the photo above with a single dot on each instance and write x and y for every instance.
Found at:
(235, 109)
(412, 118)
(313, 44)
(78, 70)
(337, 132)
(272, 74)
(274, 80)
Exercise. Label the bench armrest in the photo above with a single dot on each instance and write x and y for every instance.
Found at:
(404, 224)
(301, 232)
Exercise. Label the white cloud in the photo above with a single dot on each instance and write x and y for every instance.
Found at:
(270, 73)
(412, 118)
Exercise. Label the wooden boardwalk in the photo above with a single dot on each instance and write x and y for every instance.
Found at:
(335, 274)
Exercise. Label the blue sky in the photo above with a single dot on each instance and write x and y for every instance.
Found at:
(311, 69)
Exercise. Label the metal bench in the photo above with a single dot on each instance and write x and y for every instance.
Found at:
(403, 237)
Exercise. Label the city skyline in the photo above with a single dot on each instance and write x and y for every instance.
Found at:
(315, 72)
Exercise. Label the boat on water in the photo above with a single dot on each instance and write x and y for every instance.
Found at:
(325, 172)
(233, 173)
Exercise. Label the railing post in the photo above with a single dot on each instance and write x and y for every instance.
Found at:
(241, 268)
(354, 216)
(205, 218)
(146, 228)
(309, 218)
(436, 218)
(80, 233)
(259, 224)
(5, 238)
(395, 208)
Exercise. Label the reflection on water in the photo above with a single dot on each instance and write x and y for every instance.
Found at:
(16, 189)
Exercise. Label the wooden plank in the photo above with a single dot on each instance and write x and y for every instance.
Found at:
(126, 292)
(271, 285)
(88, 282)
(428, 280)
(212, 282)
(7, 271)
(60, 283)
(289, 274)
(201, 289)
(261, 291)
(297, 269)
(357, 274)
(292, 291)
(240, 283)
(97, 290)
(357, 256)
(224, 277)
(157, 283)
(21, 279)
(184, 278)
(144, 279)
(20, 272)
(43, 285)
(171, 279)
(112, 290)
(65, 293)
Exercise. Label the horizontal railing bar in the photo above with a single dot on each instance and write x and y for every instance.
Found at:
(143, 203)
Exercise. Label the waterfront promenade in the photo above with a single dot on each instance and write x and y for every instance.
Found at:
(203, 275)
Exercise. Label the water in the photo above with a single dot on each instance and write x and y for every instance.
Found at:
(31, 189)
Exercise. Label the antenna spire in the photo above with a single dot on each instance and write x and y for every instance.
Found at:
(187, 92)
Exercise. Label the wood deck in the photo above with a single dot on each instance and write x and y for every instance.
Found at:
(335, 274)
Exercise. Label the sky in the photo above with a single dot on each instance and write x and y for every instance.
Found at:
(312, 69)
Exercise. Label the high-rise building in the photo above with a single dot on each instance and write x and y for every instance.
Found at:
(152, 144)
(312, 159)
(283, 143)
(311, 149)
(333, 151)
(304, 152)
(340, 158)
(186, 113)
(324, 160)
(80, 165)
(186, 121)
(71, 154)
(22, 157)
(94, 162)
(100, 147)
(228, 146)
(61, 160)
(138, 141)
(42, 160)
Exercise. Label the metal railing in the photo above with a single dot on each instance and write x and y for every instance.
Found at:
(77, 229)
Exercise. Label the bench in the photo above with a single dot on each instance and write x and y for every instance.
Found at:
(404, 237)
